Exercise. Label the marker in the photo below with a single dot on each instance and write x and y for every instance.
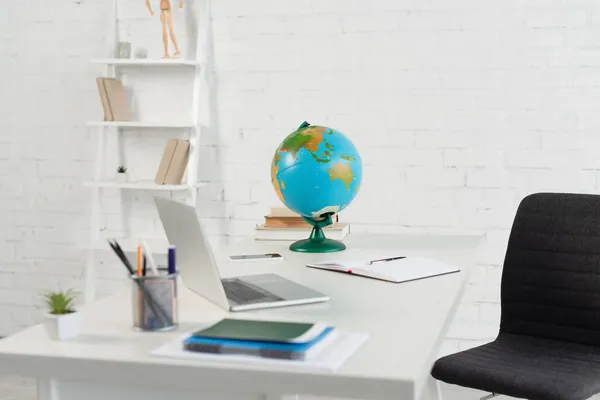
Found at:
(172, 265)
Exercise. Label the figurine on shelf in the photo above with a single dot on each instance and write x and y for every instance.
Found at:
(166, 19)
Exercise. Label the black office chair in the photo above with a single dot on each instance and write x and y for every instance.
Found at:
(548, 347)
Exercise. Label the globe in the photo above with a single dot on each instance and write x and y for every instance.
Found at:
(316, 172)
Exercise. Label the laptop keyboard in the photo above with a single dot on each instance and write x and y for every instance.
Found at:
(244, 293)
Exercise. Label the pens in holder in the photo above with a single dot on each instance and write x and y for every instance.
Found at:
(154, 305)
(172, 265)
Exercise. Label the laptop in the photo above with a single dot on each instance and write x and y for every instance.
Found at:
(199, 272)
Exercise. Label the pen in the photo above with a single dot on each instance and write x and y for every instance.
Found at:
(144, 268)
(172, 267)
(385, 260)
(139, 260)
(150, 258)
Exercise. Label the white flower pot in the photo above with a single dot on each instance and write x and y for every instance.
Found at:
(121, 177)
(63, 327)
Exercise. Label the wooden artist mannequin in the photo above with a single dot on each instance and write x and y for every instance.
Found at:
(166, 19)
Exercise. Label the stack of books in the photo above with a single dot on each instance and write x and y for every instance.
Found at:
(263, 339)
(284, 224)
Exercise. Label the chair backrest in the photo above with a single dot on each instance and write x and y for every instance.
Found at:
(551, 276)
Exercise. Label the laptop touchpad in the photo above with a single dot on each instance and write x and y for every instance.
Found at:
(281, 287)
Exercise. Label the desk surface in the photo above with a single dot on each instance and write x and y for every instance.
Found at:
(406, 323)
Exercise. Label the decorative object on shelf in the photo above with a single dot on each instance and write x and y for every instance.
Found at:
(173, 163)
(166, 20)
(63, 320)
(123, 50)
(316, 172)
(121, 174)
(141, 53)
(114, 99)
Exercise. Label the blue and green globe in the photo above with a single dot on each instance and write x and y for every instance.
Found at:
(315, 171)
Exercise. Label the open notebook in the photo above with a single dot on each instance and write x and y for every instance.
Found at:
(399, 270)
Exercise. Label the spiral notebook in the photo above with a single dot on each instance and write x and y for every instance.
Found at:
(393, 269)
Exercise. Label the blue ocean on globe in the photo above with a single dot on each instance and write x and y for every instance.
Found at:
(316, 170)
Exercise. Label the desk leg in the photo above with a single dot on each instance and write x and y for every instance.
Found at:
(46, 389)
(432, 390)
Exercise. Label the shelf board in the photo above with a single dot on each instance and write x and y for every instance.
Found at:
(142, 62)
(140, 124)
(142, 185)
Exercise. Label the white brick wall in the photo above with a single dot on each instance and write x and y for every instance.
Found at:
(459, 110)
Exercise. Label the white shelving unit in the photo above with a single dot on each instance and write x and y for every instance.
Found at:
(191, 126)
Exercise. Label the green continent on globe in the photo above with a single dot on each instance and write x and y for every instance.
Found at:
(274, 171)
(307, 138)
(342, 172)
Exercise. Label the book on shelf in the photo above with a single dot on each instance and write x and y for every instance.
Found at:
(178, 163)
(104, 99)
(336, 231)
(173, 162)
(114, 99)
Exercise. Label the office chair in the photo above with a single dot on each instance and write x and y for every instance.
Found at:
(548, 347)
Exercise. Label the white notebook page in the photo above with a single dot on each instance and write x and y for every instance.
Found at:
(408, 269)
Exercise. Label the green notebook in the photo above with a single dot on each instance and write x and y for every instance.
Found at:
(267, 331)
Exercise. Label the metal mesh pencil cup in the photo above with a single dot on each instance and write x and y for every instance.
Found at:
(154, 302)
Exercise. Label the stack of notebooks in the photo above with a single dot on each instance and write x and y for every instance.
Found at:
(263, 339)
(114, 99)
(173, 163)
(284, 224)
(267, 343)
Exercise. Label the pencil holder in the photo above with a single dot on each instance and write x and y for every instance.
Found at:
(154, 300)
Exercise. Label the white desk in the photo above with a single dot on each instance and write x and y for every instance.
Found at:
(406, 323)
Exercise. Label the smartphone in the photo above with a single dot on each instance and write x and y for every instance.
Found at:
(252, 257)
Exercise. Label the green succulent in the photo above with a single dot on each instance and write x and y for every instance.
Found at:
(121, 169)
(61, 302)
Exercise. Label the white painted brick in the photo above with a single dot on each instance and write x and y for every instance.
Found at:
(544, 158)
(446, 177)
(489, 313)
(487, 178)
(473, 157)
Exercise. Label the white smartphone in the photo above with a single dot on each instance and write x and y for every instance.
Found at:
(255, 257)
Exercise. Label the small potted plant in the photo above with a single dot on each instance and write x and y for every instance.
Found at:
(63, 320)
(121, 174)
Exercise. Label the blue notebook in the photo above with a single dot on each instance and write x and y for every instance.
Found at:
(290, 351)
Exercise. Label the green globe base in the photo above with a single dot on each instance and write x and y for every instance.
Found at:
(317, 242)
(311, 246)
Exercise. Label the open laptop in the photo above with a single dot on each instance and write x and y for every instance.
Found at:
(199, 272)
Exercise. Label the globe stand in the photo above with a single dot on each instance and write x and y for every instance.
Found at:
(317, 242)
